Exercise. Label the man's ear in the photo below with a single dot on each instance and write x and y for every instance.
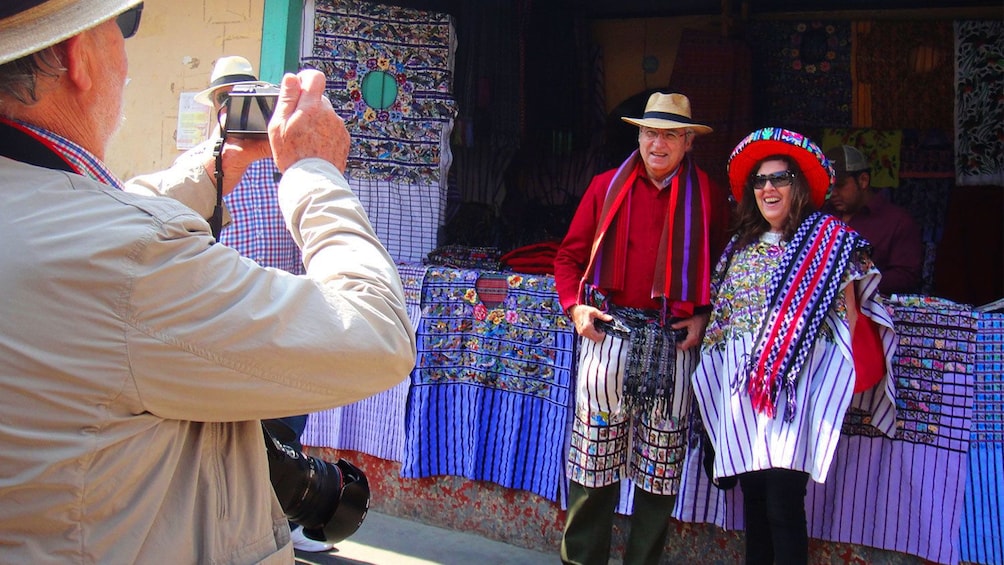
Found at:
(75, 56)
(865, 180)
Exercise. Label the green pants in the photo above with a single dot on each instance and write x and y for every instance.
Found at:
(590, 519)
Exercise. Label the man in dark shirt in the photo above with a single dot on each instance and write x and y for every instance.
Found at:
(891, 230)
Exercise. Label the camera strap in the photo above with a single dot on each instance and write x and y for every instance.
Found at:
(216, 221)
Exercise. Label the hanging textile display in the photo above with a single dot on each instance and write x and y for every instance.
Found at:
(908, 68)
(903, 494)
(390, 77)
(979, 114)
(880, 147)
(372, 425)
(490, 392)
(802, 72)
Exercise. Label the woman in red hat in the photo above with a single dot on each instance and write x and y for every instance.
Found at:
(797, 329)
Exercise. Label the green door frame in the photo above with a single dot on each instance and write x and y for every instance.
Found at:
(280, 38)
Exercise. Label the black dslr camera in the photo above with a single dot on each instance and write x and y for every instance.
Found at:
(249, 108)
(316, 494)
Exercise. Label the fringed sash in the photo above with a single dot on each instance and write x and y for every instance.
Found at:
(800, 293)
(650, 373)
(683, 265)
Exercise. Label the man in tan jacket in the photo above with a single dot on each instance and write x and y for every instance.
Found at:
(137, 357)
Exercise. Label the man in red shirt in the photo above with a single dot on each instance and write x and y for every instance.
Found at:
(894, 235)
(639, 253)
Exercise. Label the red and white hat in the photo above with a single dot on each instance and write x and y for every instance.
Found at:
(767, 142)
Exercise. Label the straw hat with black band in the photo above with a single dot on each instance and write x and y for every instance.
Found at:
(29, 26)
(228, 72)
(668, 111)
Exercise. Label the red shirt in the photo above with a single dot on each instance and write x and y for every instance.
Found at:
(896, 245)
(648, 211)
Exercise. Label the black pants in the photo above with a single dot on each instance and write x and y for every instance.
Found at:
(774, 512)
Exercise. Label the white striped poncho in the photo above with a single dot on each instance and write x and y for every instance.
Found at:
(746, 440)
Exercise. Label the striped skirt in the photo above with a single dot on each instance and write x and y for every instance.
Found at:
(611, 441)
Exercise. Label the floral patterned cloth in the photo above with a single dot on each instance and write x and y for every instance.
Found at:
(390, 73)
(802, 73)
(490, 392)
(880, 147)
(979, 114)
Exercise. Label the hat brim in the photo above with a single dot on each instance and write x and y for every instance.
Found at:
(206, 96)
(53, 21)
(658, 123)
(741, 167)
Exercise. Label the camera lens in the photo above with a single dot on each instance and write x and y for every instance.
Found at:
(314, 493)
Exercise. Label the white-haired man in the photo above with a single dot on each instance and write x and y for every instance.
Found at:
(633, 274)
(137, 357)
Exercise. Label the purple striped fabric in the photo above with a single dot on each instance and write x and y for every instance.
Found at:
(903, 493)
(374, 425)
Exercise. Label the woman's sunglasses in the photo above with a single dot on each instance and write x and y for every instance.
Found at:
(779, 179)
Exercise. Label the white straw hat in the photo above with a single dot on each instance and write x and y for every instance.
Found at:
(29, 26)
(668, 111)
(228, 71)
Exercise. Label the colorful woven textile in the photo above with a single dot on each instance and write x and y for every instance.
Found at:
(981, 538)
(490, 393)
(979, 114)
(903, 494)
(465, 257)
(880, 147)
(390, 73)
(372, 425)
(802, 73)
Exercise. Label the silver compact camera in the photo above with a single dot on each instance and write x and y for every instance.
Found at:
(249, 108)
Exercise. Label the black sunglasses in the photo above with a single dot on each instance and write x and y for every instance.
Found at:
(128, 21)
(779, 179)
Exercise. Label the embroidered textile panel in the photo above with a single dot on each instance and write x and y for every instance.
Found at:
(372, 425)
(903, 494)
(390, 73)
(979, 114)
(490, 392)
(982, 533)
(802, 73)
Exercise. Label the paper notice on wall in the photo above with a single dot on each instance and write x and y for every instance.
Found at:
(193, 121)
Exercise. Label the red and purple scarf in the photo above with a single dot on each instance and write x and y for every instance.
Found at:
(683, 265)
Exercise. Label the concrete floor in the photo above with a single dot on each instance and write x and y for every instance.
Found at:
(388, 540)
